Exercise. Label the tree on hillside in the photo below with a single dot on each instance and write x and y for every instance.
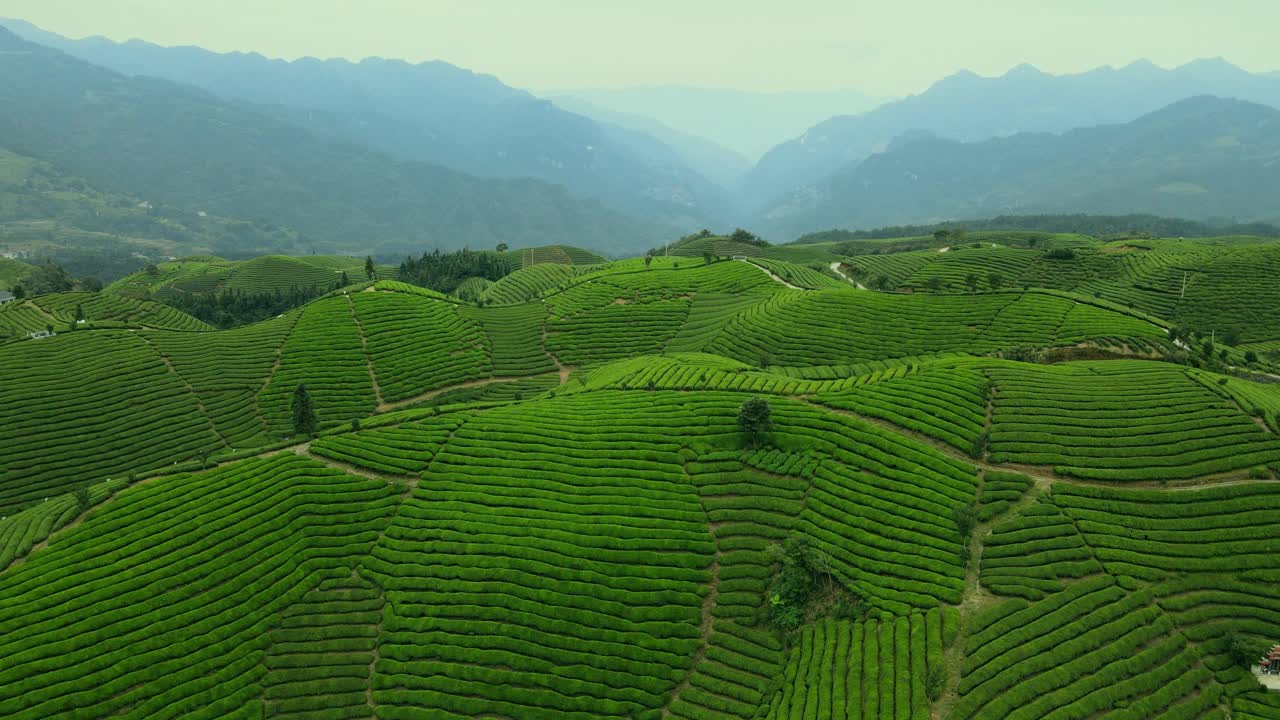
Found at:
(48, 278)
(648, 259)
(19, 292)
(934, 283)
(502, 247)
(1250, 357)
(995, 280)
(83, 501)
(755, 418)
(707, 257)
(971, 281)
(345, 281)
(79, 312)
(368, 267)
(304, 414)
(883, 282)
(941, 235)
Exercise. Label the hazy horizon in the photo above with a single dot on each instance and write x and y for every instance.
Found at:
(805, 47)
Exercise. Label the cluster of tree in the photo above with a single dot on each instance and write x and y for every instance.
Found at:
(804, 585)
(444, 271)
(1096, 225)
(233, 308)
(750, 238)
(49, 277)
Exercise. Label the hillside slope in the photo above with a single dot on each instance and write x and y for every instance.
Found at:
(970, 108)
(430, 112)
(1199, 158)
(555, 509)
(134, 135)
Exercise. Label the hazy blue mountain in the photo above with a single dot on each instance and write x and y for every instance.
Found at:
(185, 147)
(703, 155)
(965, 106)
(1200, 158)
(431, 112)
(749, 123)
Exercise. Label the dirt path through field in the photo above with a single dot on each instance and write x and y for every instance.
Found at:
(364, 348)
(835, 267)
(565, 370)
(771, 274)
(397, 404)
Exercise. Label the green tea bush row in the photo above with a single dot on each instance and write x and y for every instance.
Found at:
(1027, 555)
(515, 337)
(231, 548)
(90, 407)
(417, 345)
(842, 669)
(324, 353)
(321, 650)
(548, 614)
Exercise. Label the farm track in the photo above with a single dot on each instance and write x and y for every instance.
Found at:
(364, 348)
(398, 404)
(835, 267)
(192, 391)
(771, 274)
(1042, 474)
(976, 598)
(565, 370)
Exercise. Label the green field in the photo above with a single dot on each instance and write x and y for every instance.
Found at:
(534, 499)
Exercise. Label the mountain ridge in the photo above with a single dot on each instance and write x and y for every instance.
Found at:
(966, 106)
(1198, 158)
(431, 112)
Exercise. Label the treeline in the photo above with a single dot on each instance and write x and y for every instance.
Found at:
(443, 272)
(49, 277)
(1096, 225)
(233, 308)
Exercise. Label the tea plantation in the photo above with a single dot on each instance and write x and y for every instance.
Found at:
(1006, 482)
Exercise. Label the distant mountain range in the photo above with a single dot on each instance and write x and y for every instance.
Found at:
(1199, 158)
(967, 107)
(431, 112)
(186, 147)
(748, 123)
(385, 156)
(706, 157)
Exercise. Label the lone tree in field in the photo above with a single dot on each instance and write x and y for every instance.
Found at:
(368, 267)
(755, 419)
(79, 312)
(995, 280)
(345, 280)
(971, 280)
(648, 259)
(304, 414)
(502, 247)
(83, 501)
(934, 283)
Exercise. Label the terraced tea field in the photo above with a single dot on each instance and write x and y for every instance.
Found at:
(550, 497)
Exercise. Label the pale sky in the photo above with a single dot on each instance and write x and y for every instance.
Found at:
(886, 47)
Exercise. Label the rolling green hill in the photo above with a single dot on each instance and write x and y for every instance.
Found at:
(545, 504)
(12, 272)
